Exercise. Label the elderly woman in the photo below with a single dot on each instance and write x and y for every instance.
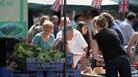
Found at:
(45, 39)
(36, 28)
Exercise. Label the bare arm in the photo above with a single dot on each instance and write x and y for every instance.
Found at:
(132, 42)
(95, 48)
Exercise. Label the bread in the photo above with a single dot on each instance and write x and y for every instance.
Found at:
(98, 70)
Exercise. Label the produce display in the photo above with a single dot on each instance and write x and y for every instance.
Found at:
(22, 52)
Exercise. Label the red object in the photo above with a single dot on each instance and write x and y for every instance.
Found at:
(123, 6)
(96, 4)
(57, 5)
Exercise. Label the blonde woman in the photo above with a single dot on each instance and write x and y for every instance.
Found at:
(45, 39)
(115, 57)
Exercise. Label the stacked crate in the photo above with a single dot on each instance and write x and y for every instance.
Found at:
(50, 68)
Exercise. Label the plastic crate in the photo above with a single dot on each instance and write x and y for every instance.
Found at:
(44, 66)
(69, 59)
(25, 74)
(69, 73)
(33, 60)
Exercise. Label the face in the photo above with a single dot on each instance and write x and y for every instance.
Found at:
(94, 26)
(47, 29)
(84, 30)
(80, 18)
(61, 23)
(69, 35)
(55, 20)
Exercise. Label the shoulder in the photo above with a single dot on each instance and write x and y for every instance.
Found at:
(60, 32)
(52, 35)
(38, 34)
(76, 31)
(59, 35)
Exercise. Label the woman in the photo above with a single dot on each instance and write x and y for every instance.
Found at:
(83, 28)
(36, 28)
(115, 57)
(45, 39)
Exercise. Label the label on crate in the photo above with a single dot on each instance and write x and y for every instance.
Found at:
(45, 66)
(35, 60)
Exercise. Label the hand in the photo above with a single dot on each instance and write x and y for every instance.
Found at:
(84, 54)
(90, 50)
(81, 61)
(131, 58)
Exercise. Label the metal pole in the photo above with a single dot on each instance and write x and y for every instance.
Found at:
(64, 14)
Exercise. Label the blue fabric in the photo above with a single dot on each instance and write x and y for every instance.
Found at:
(135, 25)
(3, 72)
(118, 65)
(37, 40)
(119, 32)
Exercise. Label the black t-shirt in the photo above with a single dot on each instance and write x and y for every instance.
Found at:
(109, 43)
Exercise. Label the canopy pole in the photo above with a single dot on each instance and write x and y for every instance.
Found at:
(65, 41)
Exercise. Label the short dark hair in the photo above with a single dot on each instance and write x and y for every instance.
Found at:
(77, 17)
(80, 25)
(131, 16)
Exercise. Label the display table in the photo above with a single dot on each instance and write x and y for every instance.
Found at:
(93, 76)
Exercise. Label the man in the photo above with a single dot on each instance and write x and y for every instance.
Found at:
(126, 27)
(76, 43)
(55, 21)
(59, 34)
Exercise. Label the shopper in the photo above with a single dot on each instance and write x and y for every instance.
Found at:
(45, 39)
(115, 57)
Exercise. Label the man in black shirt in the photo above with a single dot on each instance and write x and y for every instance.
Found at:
(115, 57)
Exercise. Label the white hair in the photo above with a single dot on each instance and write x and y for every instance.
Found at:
(67, 20)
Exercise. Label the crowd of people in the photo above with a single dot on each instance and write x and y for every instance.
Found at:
(90, 38)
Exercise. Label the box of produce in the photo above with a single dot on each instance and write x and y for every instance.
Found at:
(22, 52)
(45, 66)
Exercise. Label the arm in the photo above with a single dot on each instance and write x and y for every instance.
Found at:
(129, 31)
(95, 48)
(132, 42)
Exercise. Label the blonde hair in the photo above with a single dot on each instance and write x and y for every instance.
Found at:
(48, 23)
(101, 22)
(109, 18)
